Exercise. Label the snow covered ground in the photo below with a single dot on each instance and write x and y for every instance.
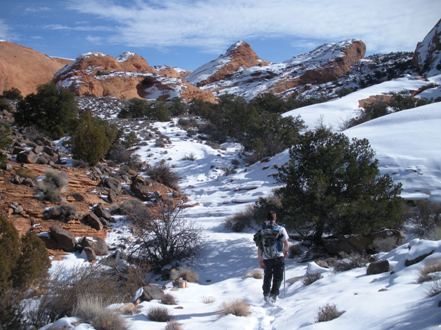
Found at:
(407, 144)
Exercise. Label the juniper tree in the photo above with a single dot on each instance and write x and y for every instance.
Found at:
(333, 185)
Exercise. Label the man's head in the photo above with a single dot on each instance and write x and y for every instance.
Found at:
(271, 219)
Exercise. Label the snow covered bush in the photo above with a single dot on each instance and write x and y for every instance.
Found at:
(91, 309)
(237, 307)
(332, 185)
(159, 314)
(165, 237)
(173, 325)
(435, 289)
(168, 299)
(328, 313)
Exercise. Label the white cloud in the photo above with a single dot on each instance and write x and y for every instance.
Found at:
(79, 28)
(384, 25)
(4, 30)
(37, 9)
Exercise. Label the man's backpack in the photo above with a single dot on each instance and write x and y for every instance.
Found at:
(269, 240)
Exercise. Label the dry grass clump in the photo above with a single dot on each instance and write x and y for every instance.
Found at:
(311, 278)
(208, 299)
(128, 309)
(256, 273)
(241, 220)
(237, 307)
(328, 313)
(173, 325)
(159, 314)
(52, 185)
(168, 299)
(91, 309)
(435, 289)
(185, 273)
(427, 271)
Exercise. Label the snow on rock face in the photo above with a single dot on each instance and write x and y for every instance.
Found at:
(325, 63)
(428, 52)
(238, 56)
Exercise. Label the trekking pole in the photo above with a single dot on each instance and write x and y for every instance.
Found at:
(284, 281)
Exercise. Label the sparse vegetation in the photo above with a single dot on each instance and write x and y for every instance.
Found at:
(165, 175)
(333, 185)
(166, 237)
(208, 299)
(91, 309)
(328, 312)
(237, 307)
(173, 325)
(5, 141)
(158, 110)
(52, 185)
(159, 314)
(186, 274)
(168, 299)
(256, 273)
(426, 273)
(241, 220)
(425, 217)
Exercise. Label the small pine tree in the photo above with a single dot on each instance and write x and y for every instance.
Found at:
(33, 263)
(333, 185)
(13, 94)
(9, 252)
(5, 141)
(92, 139)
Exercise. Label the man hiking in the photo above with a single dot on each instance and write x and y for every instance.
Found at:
(272, 248)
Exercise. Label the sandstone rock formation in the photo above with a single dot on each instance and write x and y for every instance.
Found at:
(128, 76)
(25, 68)
(428, 52)
(238, 56)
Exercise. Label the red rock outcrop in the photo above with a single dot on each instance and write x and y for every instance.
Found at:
(238, 56)
(24, 68)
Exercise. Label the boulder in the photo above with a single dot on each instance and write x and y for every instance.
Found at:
(93, 221)
(378, 267)
(112, 183)
(150, 292)
(27, 157)
(90, 254)
(410, 262)
(63, 212)
(101, 212)
(427, 55)
(97, 244)
(64, 239)
(142, 189)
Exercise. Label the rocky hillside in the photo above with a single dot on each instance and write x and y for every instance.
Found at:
(229, 74)
(428, 52)
(25, 68)
(125, 77)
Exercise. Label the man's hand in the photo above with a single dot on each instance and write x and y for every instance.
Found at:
(285, 253)
(261, 263)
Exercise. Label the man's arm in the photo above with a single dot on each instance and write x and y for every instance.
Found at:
(260, 258)
(285, 242)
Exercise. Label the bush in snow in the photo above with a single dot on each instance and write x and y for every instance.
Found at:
(165, 175)
(91, 309)
(173, 325)
(425, 216)
(52, 185)
(435, 289)
(208, 299)
(168, 299)
(328, 313)
(256, 273)
(166, 237)
(333, 185)
(185, 273)
(237, 307)
(426, 273)
(159, 314)
(241, 220)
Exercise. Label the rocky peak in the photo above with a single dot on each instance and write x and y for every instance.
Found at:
(428, 52)
(238, 56)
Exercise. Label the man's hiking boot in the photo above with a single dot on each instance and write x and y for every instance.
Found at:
(267, 299)
(273, 299)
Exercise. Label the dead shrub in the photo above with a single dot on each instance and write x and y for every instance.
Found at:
(435, 289)
(328, 313)
(162, 173)
(52, 185)
(208, 299)
(135, 210)
(425, 216)
(311, 278)
(427, 271)
(159, 314)
(67, 287)
(256, 273)
(168, 299)
(186, 274)
(173, 325)
(128, 309)
(92, 309)
(237, 307)
(241, 220)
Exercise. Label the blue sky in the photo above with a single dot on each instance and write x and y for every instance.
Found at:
(189, 33)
